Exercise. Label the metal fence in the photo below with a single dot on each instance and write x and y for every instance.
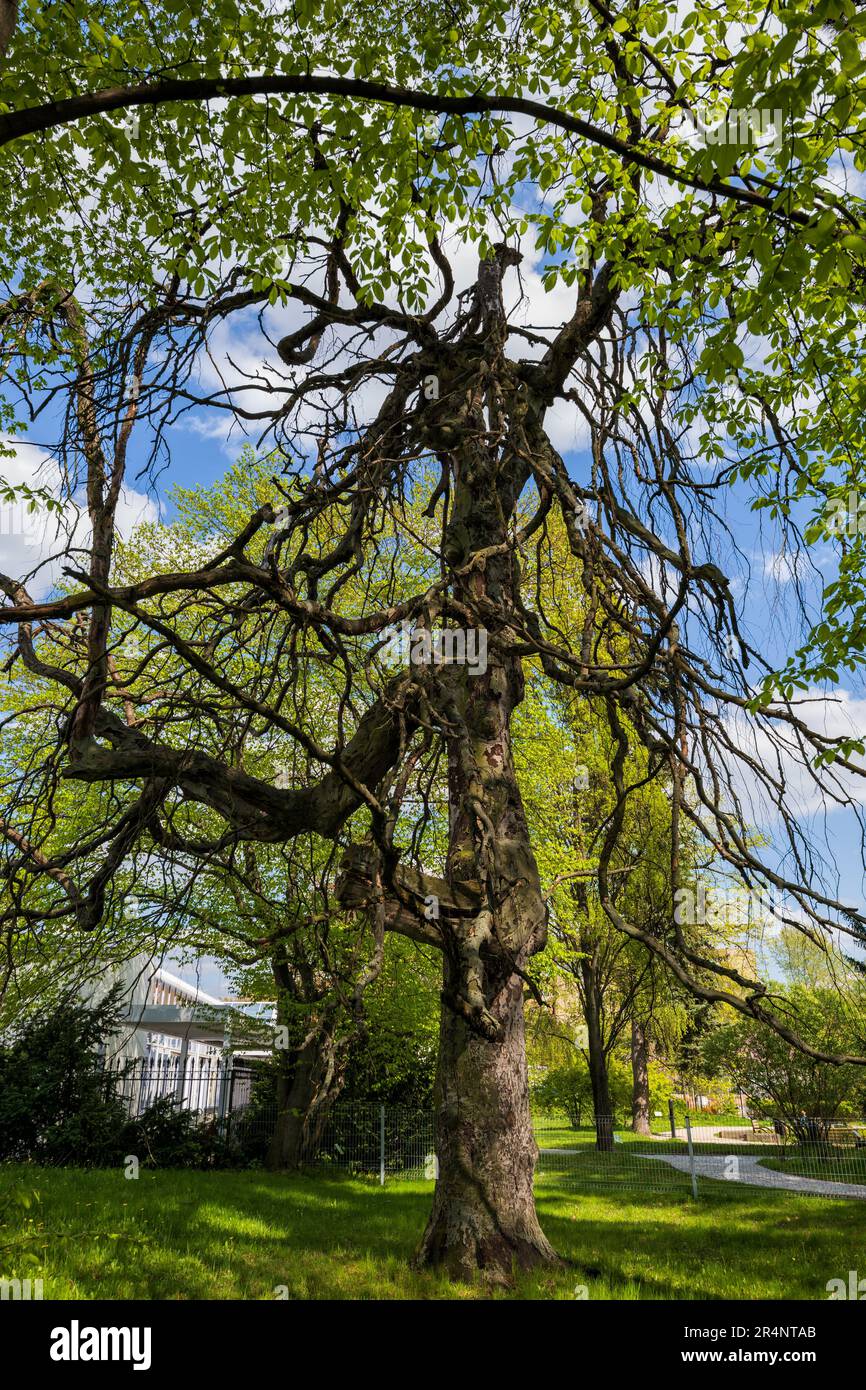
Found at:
(822, 1157)
(694, 1157)
(210, 1087)
(359, 1137)
(696, 1154)
(381, 1140)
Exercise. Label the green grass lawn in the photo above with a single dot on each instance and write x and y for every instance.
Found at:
(192, 1235)
(830, 1164)
(581, 1160)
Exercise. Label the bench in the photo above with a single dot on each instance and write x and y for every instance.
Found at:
(846, 1137)
(763, 1131)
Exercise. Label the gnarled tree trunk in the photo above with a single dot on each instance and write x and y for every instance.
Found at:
(481, 422)
(484, 1218)
(305, 1092)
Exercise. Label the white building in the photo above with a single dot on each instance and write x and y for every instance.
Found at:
(177, 1040)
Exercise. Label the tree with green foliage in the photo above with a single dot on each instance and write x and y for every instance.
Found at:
(324, 179)
(784, 1082)
(570, 1089)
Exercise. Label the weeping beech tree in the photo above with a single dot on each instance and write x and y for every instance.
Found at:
(430, 271)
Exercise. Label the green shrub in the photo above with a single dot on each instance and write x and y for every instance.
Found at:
(164, 1136)
(54, 1103)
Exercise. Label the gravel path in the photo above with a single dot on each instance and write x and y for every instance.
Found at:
(749, 1170)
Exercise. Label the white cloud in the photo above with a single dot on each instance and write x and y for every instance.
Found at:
(784, 566)
(841, 714)
(34, 546)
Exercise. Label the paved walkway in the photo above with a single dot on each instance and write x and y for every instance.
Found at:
(749, 1170)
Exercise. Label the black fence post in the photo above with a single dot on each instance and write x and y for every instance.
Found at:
(231, 1064)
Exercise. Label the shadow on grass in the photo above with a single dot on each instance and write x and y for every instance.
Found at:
(731, 1243)
(186, 1235)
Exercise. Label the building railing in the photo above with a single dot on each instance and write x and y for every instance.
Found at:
(211, 1087)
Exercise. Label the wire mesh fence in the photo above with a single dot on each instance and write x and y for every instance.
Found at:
(604, 1153)
(693, 1157)
(821, 1157)
(381, 1140)
(696, 1154)
(362, 1138)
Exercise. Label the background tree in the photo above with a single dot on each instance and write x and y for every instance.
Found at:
(782, 1081)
